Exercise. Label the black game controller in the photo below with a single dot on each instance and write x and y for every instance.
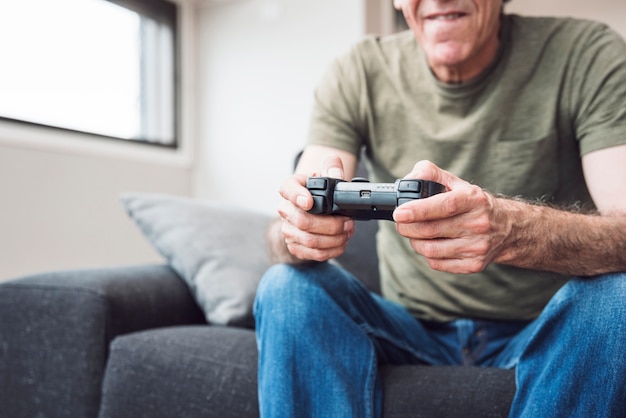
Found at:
(362, 200)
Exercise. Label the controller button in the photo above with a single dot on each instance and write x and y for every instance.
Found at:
(360, 180)
(414, 186)
(316, 183)
(319, 204)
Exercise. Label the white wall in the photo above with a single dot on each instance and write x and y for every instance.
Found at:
(259, 61)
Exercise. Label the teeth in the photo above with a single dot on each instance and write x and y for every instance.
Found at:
(448, 17)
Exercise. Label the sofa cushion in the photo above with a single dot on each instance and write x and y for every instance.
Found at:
(220, 251)
(447, 391)
(195, 371)
(55, 330)
(209, 371)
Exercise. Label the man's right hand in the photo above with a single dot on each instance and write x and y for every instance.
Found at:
(304, 236)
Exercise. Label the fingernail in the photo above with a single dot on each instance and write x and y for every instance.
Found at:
(302, 201)
(334, 172)
(401, 215)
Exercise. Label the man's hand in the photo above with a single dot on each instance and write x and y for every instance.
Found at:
(457, 231)
(467, 228)
(300, 236)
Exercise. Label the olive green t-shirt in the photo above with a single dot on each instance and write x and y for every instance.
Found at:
(556, 91)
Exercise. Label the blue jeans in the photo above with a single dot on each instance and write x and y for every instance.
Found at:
(321, 336)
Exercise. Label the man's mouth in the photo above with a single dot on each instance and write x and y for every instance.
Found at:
(447, 16)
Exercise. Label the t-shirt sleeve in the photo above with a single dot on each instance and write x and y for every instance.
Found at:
(337, 118)
(599, 89)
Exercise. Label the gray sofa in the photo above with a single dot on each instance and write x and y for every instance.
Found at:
(133, 342)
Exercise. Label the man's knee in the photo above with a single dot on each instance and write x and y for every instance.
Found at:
(287, 287)
(275, 279)
(594, 302)
(284, 279)
(289, 278)
(594, 290)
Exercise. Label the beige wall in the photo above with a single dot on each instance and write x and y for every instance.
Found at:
(611, 12)
(59, 210)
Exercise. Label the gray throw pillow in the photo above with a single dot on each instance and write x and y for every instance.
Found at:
(219, 251)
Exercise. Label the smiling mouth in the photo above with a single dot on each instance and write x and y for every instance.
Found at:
(449, 16)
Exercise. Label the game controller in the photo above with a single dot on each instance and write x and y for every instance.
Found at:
(362, 200)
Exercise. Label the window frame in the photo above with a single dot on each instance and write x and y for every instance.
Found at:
(161, 11)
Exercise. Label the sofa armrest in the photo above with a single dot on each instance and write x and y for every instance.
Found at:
(56, 329)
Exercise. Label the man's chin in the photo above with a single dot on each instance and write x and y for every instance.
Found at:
(448, 53)
(450, 60)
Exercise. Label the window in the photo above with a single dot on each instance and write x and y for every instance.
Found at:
(102, 67)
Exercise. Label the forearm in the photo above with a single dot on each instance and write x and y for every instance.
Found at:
(567, 242)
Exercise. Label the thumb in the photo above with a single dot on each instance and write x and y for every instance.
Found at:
(332, 166)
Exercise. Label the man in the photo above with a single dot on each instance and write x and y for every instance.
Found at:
(489, 105)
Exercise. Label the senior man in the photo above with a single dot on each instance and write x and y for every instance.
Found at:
(517, 265)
